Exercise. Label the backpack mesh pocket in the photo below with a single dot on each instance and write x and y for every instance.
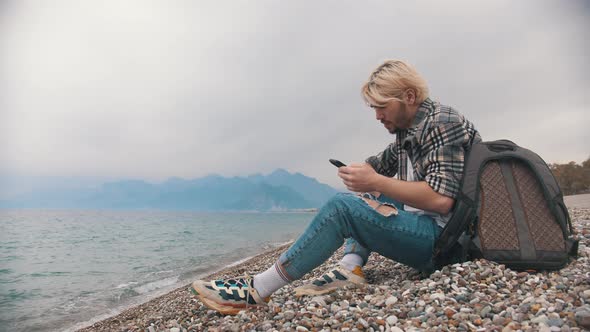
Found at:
(497, 226)
(545, 230)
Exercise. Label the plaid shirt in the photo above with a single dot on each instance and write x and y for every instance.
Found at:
(435, 143)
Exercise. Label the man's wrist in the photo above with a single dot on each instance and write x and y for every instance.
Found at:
(379, 182)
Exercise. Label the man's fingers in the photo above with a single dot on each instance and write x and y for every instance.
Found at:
(351, 188)
(348, 169)
(347, 183)
(346, 177)
(351, 167)
(344, 169)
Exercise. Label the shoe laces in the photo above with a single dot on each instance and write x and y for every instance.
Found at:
(248, 280)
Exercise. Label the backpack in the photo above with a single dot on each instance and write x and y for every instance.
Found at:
(509, 210)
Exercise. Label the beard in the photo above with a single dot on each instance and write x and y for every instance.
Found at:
(397, 120)
(401, 120)
(392, 131)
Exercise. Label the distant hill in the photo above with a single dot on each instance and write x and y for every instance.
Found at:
(279, 190)
(310, 188)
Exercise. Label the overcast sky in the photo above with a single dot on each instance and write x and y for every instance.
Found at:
(154, 89)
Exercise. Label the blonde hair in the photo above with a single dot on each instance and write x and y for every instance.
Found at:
(389, 82)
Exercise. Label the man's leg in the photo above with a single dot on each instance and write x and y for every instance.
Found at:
(354, 253)
(401, 236)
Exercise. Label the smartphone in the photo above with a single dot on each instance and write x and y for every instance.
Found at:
(337, 163)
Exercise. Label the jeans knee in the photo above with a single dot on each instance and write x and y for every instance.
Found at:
(338, 201)
(337, 205)
(335, 211)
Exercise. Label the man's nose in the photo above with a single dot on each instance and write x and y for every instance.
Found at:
(378, 115)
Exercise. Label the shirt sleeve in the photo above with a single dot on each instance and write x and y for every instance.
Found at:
(445, 157)
(385, 163)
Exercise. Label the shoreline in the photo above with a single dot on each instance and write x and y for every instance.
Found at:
(176, 287)
(182, 293)
(475, 296)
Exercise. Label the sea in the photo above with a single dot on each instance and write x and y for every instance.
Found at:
(61, 270)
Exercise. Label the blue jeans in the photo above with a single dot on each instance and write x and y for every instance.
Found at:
(407, 237)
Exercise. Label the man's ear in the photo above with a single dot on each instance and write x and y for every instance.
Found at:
(410, 96)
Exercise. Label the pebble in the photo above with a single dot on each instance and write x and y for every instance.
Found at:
(391, 320)
(437, 296)
(583, 318)
(319, 300)
(391, 300)
(554, 322)
(415, 313)
(289, 314)
(539, 319)
(528, 300)
(345, 304)
(498, 320)
(363, 322)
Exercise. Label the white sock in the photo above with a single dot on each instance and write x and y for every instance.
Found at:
(270, 281)
(350, 261)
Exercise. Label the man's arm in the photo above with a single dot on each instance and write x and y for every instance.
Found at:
(417, 194)
(363, 178)
(385, 163)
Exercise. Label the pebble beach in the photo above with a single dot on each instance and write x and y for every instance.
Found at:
(473, 296)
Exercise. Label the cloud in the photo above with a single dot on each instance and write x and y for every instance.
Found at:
(154, 89)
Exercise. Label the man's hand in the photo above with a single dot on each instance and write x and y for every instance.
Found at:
(363, 178)
(359, 177)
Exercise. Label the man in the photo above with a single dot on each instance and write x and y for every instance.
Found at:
(398, 218)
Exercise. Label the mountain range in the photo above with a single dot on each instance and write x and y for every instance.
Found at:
(277, 191)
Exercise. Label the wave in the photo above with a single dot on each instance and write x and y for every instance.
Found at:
(13, 295)
(124, 285)
(127, 294)
(155, 285)
(50, 274)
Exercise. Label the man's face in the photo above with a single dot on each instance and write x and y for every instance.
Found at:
(393, 116)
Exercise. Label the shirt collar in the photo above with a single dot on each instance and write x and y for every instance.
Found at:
(424, 109)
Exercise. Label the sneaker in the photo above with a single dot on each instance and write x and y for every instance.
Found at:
(334, 279)
(229, 296)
